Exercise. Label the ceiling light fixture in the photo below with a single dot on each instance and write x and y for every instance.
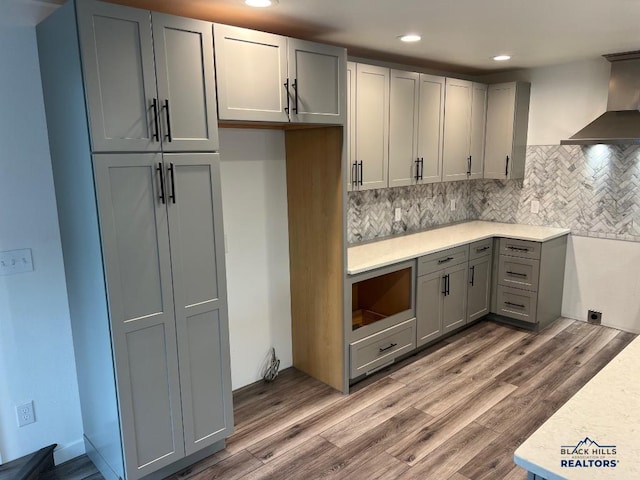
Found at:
(411, 37)
(260, 3)
(502, 58)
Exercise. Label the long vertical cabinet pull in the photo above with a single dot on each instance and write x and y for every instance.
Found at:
(417, 177)
(469, 166)
(160, 171)
(295, 102)
(156, 124)
(167, 112)
(421, 168)
(286, 89)
(506, 167)
(354, 174)
(172, 171)
(361, 173)
(445, 291)
(473, 275)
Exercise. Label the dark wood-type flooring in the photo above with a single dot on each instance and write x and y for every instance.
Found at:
(457, 411)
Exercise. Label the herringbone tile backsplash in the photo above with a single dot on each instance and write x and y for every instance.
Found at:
(594, 191)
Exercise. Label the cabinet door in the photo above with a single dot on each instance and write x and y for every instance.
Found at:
(478, 288)
(352, 173)
(197, 254)
(430, 293)
(117, 57)
(430, 127)
(478, 123)
(317, 88)
(499, 138)
(454, 304)
(403, 128)
(186, 83)
(251, 74)
(372, 125)
(457, 130)
(135, 242)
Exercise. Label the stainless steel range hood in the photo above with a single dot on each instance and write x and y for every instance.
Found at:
(620, 124)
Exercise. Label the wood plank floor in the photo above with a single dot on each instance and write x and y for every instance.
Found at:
(457, 410)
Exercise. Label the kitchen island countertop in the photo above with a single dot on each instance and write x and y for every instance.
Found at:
(369, 256)
(604, 415)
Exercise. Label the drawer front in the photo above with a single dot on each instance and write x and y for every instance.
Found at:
(518, 272)
(481, 248)
(377, 350)
(447, 258)
(517, 304)
(520, 248)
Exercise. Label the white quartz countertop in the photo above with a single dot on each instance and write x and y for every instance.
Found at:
(362, 258)
(605, 411)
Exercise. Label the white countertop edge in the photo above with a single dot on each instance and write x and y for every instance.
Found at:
(497, 233)
(393, 261)
(536, 469)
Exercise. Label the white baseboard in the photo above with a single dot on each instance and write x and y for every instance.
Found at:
(63, 453)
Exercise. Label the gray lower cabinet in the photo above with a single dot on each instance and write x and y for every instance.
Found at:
(164, 262)
(479, 285)
(149, 79)
(441, 304)
(529, 279)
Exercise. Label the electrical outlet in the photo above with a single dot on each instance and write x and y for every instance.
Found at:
(25, 414)
(398, 214)
(535, 206)
(16, 261)
(594, 317)
(453, 204)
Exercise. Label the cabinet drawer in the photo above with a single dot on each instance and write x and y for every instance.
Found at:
(382, 348)
(520, 248)
(518, 272)
(447, 258)
(481, 248)
(518, 304)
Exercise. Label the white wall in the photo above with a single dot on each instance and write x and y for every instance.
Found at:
(254, 199)
(600, 273)
(564, 98)
(36, 352)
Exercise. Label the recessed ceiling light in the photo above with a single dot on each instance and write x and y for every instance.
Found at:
(260, 3)
(502, 58)
(411, 37)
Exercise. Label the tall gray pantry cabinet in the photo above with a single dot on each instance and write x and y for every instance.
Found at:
(131, 113)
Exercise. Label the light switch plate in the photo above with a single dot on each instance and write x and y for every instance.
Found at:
(398, 214)
(535, 206)
(16, 261)
(453, 204)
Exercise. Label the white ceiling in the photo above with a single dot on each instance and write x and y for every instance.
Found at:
(463, 35)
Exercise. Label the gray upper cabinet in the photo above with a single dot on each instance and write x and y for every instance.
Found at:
(478, 128)
(457, 130)
(404, 165)
(251, 71)
(135, 242)
(149, 80)
(117, 55)
(430, 128)
(269, 78)
(371, 129)
(316, 82)
(186, 83)
(506, 137)
(352, 174)
(464, 129)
